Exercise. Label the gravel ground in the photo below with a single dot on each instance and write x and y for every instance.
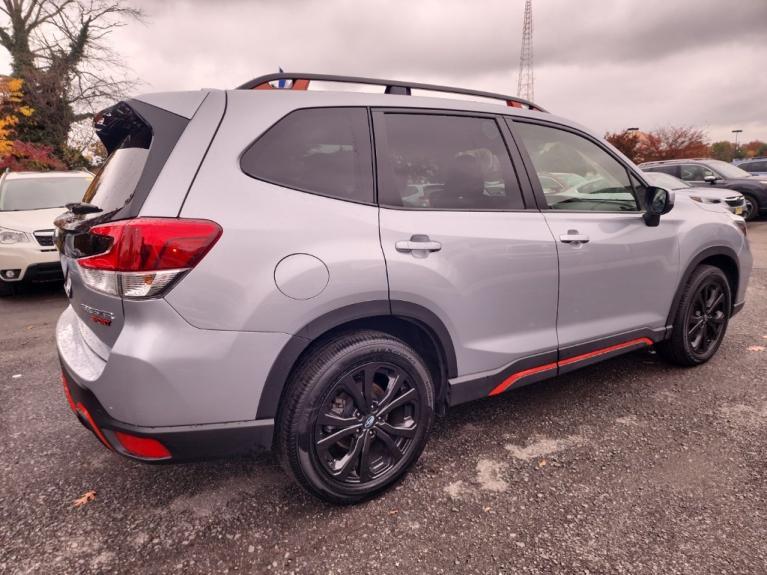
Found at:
(630, 466)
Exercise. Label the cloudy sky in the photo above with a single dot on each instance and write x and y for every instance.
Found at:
(609, 64)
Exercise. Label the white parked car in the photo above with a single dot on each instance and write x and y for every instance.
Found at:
(29, 202)
(725, 198)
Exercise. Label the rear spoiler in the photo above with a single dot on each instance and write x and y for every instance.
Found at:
(114, 123)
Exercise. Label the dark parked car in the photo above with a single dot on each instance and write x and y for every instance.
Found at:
(702, 171)
(754, 166)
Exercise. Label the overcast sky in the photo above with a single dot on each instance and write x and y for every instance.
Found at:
(609, 64)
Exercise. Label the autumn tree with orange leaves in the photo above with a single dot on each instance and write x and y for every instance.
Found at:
(670, 143)
(14, 154)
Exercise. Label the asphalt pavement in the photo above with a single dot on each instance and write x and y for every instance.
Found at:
(630, 466)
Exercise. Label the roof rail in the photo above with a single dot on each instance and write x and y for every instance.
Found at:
(301, 81)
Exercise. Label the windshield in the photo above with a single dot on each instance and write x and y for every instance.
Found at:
(665, 181)
(727, 170)
(41, 193)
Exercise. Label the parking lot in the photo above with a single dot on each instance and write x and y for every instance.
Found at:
(631, 466)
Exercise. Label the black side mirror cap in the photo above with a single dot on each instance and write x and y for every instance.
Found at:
(658, 201)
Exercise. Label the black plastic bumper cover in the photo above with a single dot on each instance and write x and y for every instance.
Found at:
(47, 272)
(185, 443)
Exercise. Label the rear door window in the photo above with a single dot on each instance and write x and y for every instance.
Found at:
(323, 151)
(760, 166)
(443, 162)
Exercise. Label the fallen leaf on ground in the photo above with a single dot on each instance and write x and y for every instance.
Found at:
(541, 463)
(393, 511)
(86, 498)
(755, 348)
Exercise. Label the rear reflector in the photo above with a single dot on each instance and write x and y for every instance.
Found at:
(146, 255)
(144, 447)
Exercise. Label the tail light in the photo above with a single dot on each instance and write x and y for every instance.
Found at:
(146, 255)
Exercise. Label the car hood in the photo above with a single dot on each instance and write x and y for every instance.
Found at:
(710, 193)
(30, 220)
(752, 181)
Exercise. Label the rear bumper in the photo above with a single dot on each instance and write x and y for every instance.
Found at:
(185, 443)
(195, 391)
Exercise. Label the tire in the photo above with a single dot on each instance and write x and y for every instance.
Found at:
(701, 319)
(751, 210)
(332, 439)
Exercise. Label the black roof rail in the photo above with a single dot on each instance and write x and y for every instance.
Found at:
(301, 81)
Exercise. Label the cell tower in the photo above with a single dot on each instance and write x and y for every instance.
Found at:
(525, 85)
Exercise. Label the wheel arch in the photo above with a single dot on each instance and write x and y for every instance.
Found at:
(414, 324)
(721, 257)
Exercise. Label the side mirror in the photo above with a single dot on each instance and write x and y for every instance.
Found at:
(710, 179)
(658, 201)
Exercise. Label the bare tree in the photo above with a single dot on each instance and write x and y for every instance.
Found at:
(60, 49)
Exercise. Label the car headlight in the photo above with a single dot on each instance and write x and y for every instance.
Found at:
(12, 236)
(763, 182)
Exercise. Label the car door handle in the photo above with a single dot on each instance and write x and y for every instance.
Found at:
(418, 243)
(570, 238)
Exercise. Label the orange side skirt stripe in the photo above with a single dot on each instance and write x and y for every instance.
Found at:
(512, 379)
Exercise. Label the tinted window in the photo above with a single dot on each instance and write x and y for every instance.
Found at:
(694, 172)
(320, 150)
(446, 163)
(760, 166)
(40, 193)
(592, 179)
(672, 169)
(115, 183)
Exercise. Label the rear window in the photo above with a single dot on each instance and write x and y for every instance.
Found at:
(41, 193)
(323, 151)
(139, 138)
(672, 170)
(115, 183)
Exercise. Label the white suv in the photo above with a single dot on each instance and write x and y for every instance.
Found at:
(29, 202)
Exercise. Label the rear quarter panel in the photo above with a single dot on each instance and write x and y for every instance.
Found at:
(234, 288)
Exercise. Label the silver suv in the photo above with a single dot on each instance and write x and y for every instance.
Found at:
(322, 272)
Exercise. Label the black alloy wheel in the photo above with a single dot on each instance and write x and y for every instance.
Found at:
(367, 423)
(706, 317)
(356, 415)
(701, 318)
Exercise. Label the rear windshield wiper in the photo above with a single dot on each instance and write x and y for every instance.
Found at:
(80, 208)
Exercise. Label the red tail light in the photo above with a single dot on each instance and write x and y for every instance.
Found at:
(145, 447)
(147, 254)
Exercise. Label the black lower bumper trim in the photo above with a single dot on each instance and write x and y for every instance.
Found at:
(185, 443)
(48, 272)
